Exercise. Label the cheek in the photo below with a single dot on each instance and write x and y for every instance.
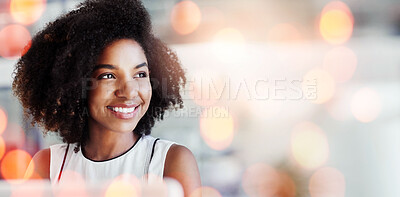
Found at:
(145, 90)
(98, 95)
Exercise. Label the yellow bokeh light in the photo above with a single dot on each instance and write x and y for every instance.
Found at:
(327, 181)
(27, 11)
(336, 23)
(124, 185)
(217, 127)
(284, 32)
(14, 165)
(2, 147)
(14, 41)
(3, 120)
(321, 83)
(366, 105)
(185, 17)
(229, 45)
(341, 63)
(309, 145)
(205, 191)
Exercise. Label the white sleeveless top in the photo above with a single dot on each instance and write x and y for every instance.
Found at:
(135, 161)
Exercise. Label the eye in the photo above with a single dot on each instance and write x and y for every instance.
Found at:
(106, 76)
(141, 75)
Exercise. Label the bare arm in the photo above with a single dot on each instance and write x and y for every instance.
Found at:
(181, 165)
(41, 165)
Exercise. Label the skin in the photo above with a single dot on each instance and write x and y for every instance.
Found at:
(121, 77)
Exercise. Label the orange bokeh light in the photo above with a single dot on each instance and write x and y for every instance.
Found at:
(2, 147)
(284, 32)
(327, 181)
(341, 63)
(14, 165)
(3, 120)
(14, 41)
(262, 180)
(185, 17)
(309, 145)
(205, 191)
(217, 127)
(124, 185)
(321, 83)
(336, 23)
(27, 11)
(366, 105)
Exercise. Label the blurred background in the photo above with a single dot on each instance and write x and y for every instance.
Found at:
(284, 98)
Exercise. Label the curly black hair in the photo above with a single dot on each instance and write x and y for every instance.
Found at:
(50, 79)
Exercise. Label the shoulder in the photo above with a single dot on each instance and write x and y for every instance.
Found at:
(41, 163)
(181, 165)
(178, 152)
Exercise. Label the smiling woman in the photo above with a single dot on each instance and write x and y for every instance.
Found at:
(99, 78)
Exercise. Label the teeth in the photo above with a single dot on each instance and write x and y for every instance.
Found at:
(123, 110)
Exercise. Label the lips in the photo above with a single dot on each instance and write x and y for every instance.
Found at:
(123, 111)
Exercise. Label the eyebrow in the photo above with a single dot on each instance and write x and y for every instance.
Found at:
(112, 67)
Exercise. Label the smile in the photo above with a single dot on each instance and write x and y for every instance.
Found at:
(122, 109)
(123, 112)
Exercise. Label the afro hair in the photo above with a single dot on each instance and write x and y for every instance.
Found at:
(51, 78)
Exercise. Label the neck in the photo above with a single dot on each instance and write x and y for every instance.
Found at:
(105, 144)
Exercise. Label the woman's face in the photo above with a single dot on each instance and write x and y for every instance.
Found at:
(121, 91)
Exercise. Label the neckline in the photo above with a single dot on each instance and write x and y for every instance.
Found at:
(140, 137)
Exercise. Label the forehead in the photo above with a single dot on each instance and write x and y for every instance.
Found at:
(124, 51)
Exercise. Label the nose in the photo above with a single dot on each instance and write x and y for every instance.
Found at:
(128, 89)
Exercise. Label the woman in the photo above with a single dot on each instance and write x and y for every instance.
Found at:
(99, 78)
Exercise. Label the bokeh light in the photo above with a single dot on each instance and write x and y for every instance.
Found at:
(185, 17)
(2, 147)
(336, 22)
(174, 187)
(284, 32)
(327, 181)
(205, 191)
(287, 187)
(341, 63)
(260, 180)
(3, 120)
(71, 184)
(14, 41)
(217, 127)
(229, 45)
(366, 105)
(309, 145)
(320, 83)
(124, 185)
(29, 188)
(14, 165)
(27, 11)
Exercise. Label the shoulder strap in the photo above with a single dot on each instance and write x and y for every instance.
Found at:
(62, 166)
(152, 150)
(148, 161)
